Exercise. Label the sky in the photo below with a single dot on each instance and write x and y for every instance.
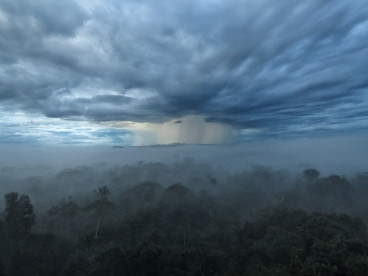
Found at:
(139, 72)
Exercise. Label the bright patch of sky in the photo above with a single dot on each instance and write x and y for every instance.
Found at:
(20, 127)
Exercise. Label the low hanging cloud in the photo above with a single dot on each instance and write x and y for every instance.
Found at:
(274, 68)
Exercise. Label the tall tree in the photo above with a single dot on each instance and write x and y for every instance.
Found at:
(19, 215)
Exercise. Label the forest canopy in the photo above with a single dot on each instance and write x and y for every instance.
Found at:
(185, 218)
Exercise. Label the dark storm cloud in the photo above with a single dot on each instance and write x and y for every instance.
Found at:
(283, 67)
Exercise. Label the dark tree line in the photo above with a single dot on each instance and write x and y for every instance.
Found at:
(258, 226)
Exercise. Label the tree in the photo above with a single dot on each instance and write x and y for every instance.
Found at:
(111, 262)
(147, 259)
(102, 193)
(63, 214)
(311, 174)
(19, 215)
(39, 254)
(4, 248)
(141, 196)
(100, 207)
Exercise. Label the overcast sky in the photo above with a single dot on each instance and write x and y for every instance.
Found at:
(181, 71)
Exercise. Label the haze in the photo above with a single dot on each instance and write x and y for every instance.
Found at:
(183, 137)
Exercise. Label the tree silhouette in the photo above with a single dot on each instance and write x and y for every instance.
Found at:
(102, 193)
(100, 207)
(19, 215)
(311, 174)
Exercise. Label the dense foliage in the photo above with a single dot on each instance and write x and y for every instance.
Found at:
(258, 225)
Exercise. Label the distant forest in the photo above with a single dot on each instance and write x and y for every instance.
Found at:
(183, 218)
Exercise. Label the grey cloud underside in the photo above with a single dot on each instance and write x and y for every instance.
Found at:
(254, 64)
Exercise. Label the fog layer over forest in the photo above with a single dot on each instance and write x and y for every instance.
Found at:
(266, 209)
(345, 154)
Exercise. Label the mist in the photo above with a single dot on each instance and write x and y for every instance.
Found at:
(344, 155)
(146, 209)
(154, 138)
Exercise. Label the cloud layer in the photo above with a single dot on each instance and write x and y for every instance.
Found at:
(263, 67)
